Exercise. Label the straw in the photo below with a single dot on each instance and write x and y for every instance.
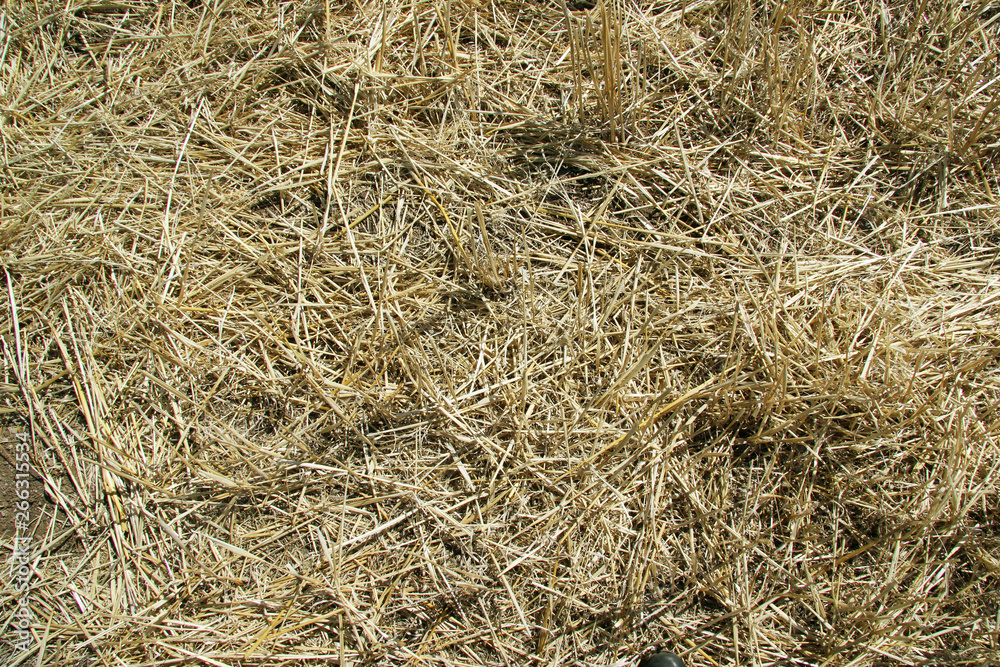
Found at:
(495, 333)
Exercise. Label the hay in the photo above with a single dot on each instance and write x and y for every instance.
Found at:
(481, 332)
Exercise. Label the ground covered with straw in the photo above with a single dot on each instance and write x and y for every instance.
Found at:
(481, 332)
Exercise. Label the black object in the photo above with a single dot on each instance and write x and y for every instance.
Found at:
(664, 659)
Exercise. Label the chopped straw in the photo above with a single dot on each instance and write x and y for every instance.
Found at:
(486, 332)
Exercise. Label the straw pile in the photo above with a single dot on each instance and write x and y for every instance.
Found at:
(480, 332)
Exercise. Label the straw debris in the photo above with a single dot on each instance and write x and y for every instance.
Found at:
(480, 332)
